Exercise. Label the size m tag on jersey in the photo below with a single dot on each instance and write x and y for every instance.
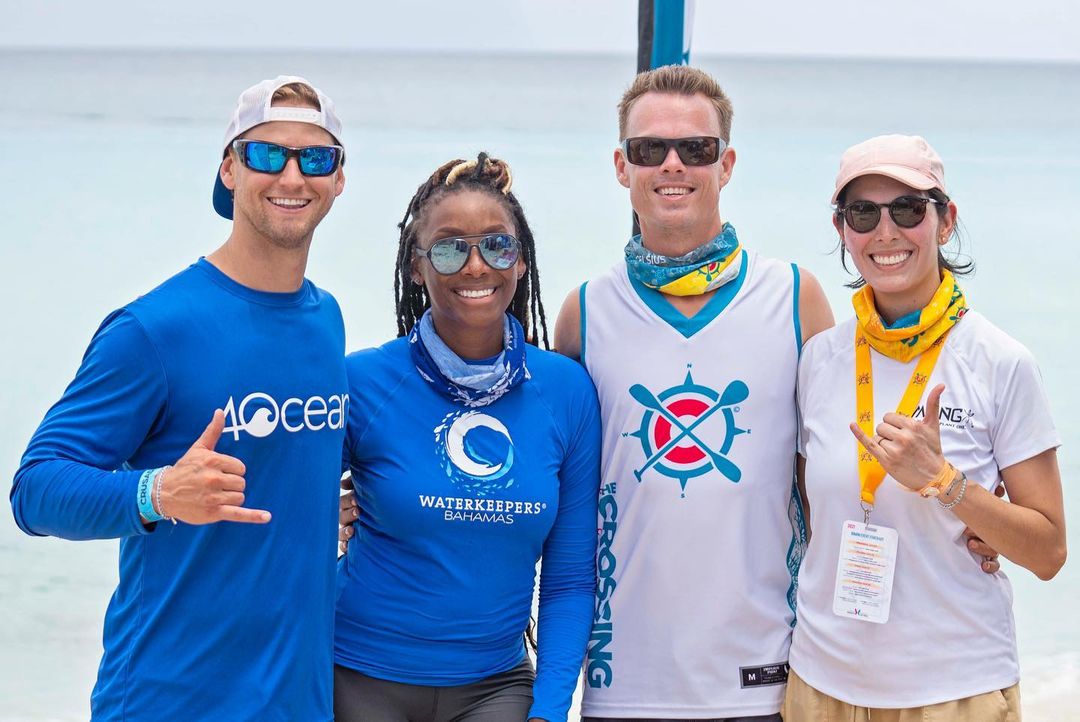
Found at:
(768, 674)
(864, 572)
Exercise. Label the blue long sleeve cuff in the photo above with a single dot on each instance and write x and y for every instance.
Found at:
(103, 501)
(73, 482)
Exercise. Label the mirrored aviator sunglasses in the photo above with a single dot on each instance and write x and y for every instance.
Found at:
(905, 211)
(699, 150)
(313, 160)
(449, 255)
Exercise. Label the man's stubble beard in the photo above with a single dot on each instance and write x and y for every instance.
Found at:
(284, 236)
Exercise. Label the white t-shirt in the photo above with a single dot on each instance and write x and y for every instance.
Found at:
(950, 632)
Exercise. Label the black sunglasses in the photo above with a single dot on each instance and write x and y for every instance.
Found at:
(699, 150)
(313, 160)
(906, 212)
(449, 255)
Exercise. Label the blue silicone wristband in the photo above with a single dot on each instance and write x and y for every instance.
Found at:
(145, 495)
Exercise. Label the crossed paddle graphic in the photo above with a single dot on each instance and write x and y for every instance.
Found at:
(735, 392)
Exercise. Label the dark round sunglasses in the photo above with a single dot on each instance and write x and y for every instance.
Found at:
(906, 212)
(313, 160)
(449, 255)
(699, 150)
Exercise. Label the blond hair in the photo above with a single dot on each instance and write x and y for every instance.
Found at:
(297, 94)
(498, 172)
(677, 80)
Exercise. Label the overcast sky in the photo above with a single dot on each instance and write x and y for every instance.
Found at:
(969, 29)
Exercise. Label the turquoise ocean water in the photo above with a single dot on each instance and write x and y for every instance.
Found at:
(107, 162)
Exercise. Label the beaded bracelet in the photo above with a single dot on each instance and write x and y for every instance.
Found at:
(958, 476)
(963, 488)
(158, 478)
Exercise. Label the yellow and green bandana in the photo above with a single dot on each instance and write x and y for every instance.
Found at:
(704, 269)
(903, 344)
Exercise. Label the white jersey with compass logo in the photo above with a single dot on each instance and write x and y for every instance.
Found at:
(700, 535)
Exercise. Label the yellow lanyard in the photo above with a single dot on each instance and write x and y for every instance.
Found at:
(871, 473)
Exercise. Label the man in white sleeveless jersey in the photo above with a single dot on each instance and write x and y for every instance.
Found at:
(693, 343)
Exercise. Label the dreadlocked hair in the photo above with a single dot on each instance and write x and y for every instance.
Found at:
(487, 175)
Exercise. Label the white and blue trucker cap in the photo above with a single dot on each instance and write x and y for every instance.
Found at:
(253, 108)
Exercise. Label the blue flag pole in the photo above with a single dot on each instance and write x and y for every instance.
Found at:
(664, 30)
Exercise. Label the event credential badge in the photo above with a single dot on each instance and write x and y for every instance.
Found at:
(864, 572)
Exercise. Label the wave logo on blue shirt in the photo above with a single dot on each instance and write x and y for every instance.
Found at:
(476, 452)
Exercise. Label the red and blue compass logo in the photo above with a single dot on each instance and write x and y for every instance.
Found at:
(677, 441)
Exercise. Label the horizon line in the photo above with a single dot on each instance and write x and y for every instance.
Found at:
(539, 52)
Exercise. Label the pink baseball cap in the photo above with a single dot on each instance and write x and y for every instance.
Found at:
(906, 158)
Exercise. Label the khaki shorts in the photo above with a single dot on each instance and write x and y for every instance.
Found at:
(803, 703)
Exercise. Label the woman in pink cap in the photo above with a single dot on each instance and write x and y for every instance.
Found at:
(913, 413)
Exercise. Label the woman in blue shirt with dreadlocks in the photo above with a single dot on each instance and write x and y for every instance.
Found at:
(474, 455)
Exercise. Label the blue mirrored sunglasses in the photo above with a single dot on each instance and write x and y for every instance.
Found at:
(314, 160)
(449, 255)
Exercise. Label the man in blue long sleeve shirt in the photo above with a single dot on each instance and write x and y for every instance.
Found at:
(218, 402)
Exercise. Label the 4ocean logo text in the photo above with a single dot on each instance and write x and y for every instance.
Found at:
(259, 414)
